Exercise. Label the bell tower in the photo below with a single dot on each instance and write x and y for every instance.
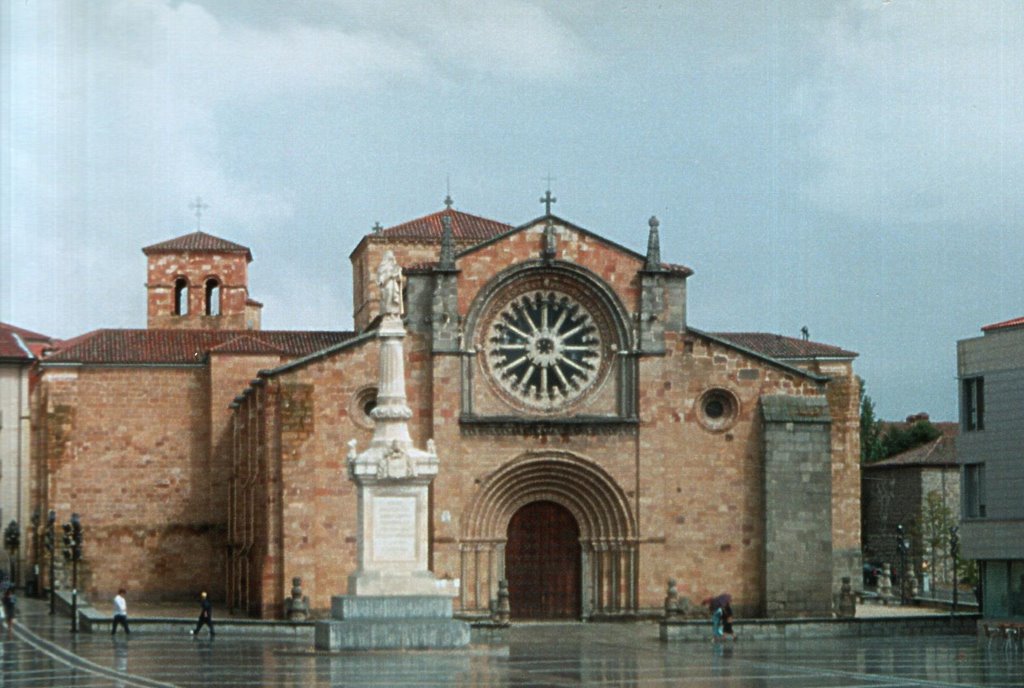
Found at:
(199, 282)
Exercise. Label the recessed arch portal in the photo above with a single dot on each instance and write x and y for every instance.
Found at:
(599, 506)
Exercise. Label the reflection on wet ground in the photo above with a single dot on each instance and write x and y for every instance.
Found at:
(525, 655)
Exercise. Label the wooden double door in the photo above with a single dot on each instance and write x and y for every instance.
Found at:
(542, 562)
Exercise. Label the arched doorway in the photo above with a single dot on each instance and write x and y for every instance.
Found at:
(542, 562)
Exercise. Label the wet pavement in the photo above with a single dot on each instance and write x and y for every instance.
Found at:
(45, 653)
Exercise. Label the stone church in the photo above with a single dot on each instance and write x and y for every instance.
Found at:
(592, 442)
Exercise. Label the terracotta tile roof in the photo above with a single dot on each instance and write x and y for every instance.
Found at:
(247, 344)
(12, 347)
(466, 228)
(677, 268)
(200, 242)
(128, 347)
(1005, 325)
(940, 452)
(782, 348)
(15, 340)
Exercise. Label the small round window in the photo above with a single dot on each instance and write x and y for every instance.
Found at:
(363, 403)
(717, 409)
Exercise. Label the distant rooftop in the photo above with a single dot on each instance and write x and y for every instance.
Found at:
(198, 242)
(1005, 325)
(782, 348)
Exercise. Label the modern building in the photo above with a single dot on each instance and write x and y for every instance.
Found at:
(592, 442)
(990, 369)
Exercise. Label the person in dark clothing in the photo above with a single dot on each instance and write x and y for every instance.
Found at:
(10, 604)
(727, 622)
(205, 614)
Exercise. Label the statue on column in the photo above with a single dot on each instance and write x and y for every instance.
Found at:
(391, 283)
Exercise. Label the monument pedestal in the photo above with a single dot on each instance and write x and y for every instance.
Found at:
(408, 622)
(394, 601)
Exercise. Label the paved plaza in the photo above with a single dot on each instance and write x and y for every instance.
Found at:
(44, 653)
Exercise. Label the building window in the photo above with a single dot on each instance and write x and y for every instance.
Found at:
(974, 490)
(974, 403)
(717, 409)
(212, 296)
(181, 296)
(362, 405)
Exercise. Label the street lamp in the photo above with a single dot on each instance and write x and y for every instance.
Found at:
(73, 553)
(903, 548)
(50, 542)
(954, 552)
(12, 541)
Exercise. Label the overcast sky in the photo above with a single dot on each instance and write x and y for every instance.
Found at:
(854, 167)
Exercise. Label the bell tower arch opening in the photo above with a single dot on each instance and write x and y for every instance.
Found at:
(535, 504)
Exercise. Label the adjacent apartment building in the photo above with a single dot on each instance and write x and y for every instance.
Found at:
(990, 369)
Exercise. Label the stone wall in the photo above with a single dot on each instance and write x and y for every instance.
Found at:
(230, 269)
(797, 489)
(128, 450)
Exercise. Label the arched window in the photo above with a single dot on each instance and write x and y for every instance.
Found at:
(212, 296)
(181, 296)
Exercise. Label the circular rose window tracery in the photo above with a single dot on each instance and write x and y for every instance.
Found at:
(544, 349)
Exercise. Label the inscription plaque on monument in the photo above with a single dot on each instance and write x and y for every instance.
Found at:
(394, 529)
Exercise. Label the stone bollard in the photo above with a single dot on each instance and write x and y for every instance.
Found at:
(847, 602)
(501, 612)
(296, 607)
(671, 600)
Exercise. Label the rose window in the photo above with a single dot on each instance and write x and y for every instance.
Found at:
(544, 348)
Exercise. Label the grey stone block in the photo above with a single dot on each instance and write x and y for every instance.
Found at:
(410, 634)
(348, 607)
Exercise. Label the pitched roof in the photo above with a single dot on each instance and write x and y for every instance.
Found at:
(939, 453)
(198, 242)
(1005, 325)
(12, 347)
(465, 228)
(247, 344)
(19, 343)
(128, 347)
(782, 348)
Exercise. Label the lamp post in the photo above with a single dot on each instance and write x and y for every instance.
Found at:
(73, 553)
(12, 541)
(50, 542)
(903, 548)
(954, 552)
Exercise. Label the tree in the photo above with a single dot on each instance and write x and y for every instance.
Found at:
(870, 431)
(876, 444)
(898, 439)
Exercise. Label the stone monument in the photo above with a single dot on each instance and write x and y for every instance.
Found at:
(393, 600)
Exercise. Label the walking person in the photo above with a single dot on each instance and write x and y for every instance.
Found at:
(727, 622)
(120, 612)
(10, 605)
(205, 614)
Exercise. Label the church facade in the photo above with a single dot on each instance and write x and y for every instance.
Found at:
(592, 443)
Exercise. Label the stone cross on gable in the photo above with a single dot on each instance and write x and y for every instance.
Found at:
(198, 206)
(547, 199)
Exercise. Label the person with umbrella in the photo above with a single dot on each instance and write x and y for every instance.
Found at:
(721, 617)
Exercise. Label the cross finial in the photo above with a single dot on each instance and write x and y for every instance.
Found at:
(198, 206)
(547, 199)
(377, 228)
(448, 202)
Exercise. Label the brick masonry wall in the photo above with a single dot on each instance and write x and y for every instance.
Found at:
(230, 269)
(127, 449)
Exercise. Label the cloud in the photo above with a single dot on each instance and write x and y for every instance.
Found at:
(914, 112)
